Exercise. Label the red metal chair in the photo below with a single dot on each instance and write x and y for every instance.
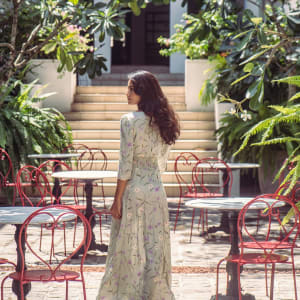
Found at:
(45, 270)
(90, 159)
(212, 177)
(33, 187)
(97, 161)
(183, 167)
(7, 173)
(275, 241)
(93, 159)
(34, 190)
(60, 187)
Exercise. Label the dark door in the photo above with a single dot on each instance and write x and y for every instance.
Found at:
(140, 46)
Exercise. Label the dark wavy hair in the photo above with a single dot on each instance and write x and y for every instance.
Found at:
(155, 105)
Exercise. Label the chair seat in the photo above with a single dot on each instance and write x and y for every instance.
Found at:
(257, 258)
(46, 275)
(203, 195)
(267, 245)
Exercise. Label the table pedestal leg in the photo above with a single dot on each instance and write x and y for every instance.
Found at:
(89, 211)
(231, 268)
(56, 191)
(16, 287)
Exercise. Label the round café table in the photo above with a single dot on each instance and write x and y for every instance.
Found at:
(88, 177)
(56, 191)
(16, 215)
(231, 205)
(235, 168)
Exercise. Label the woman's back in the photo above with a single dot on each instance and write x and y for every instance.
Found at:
(149, 149)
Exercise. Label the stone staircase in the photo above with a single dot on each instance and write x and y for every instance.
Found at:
(94, 119)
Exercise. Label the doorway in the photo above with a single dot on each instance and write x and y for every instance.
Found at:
(140, 46)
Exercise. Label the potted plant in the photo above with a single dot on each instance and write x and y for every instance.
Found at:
(59, 30)
(262, 50)
(199, 38)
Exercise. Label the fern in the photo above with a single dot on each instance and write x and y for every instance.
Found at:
(292, 80)
(296, 96)
(276, 141)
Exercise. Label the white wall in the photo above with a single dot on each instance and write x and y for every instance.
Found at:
(176, 12)
(64, 85)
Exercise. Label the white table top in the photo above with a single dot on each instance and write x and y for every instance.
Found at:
(231, 165)
(227, 203)
(85, 175)
(54, 155)
(18, 214)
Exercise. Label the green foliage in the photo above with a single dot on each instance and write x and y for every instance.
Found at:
(200, 35)
(192, 39)
(57, 29)
(263, 134)
(260, 51)
(27, 129)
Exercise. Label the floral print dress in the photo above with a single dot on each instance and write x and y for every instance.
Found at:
(138, 264)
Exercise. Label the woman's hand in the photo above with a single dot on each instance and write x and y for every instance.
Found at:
(116, 210)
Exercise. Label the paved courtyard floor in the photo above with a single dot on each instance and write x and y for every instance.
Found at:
(193, 272)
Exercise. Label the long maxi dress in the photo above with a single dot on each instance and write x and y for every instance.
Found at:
(138, 264)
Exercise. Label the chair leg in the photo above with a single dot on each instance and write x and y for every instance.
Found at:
(74, 236)
(67, 289)
(266, 280)
(100, 227)
(272, 282)
(41, 236)
(217, 283)
(83, 287)
(200, 218)
(2, 286)
(239, 280)
(206, 220)
(177, 214)
(65, 246)
(192, 225)
(294, 276)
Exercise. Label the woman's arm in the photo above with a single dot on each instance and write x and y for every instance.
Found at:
(116, 208)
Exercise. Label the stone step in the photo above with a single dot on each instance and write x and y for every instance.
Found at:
(116, 115)
(167, 177)
(113, 79)
(118, 97)
(114, 154)
(115, 134)
(172, 190)
(121, 90)
(180, 144)
(155, 69)
(107, 106)
(98, 125)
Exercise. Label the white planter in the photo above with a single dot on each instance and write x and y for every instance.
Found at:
(220, 109)
(64, 85)
(196, 72)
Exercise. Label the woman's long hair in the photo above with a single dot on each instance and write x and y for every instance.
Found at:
(155, 105)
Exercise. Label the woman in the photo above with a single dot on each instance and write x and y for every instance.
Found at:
(138, 264)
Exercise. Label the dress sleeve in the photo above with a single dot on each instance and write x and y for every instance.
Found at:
(163, 158)
(126, 149)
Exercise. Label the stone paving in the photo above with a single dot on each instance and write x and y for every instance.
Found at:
(193, 267)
